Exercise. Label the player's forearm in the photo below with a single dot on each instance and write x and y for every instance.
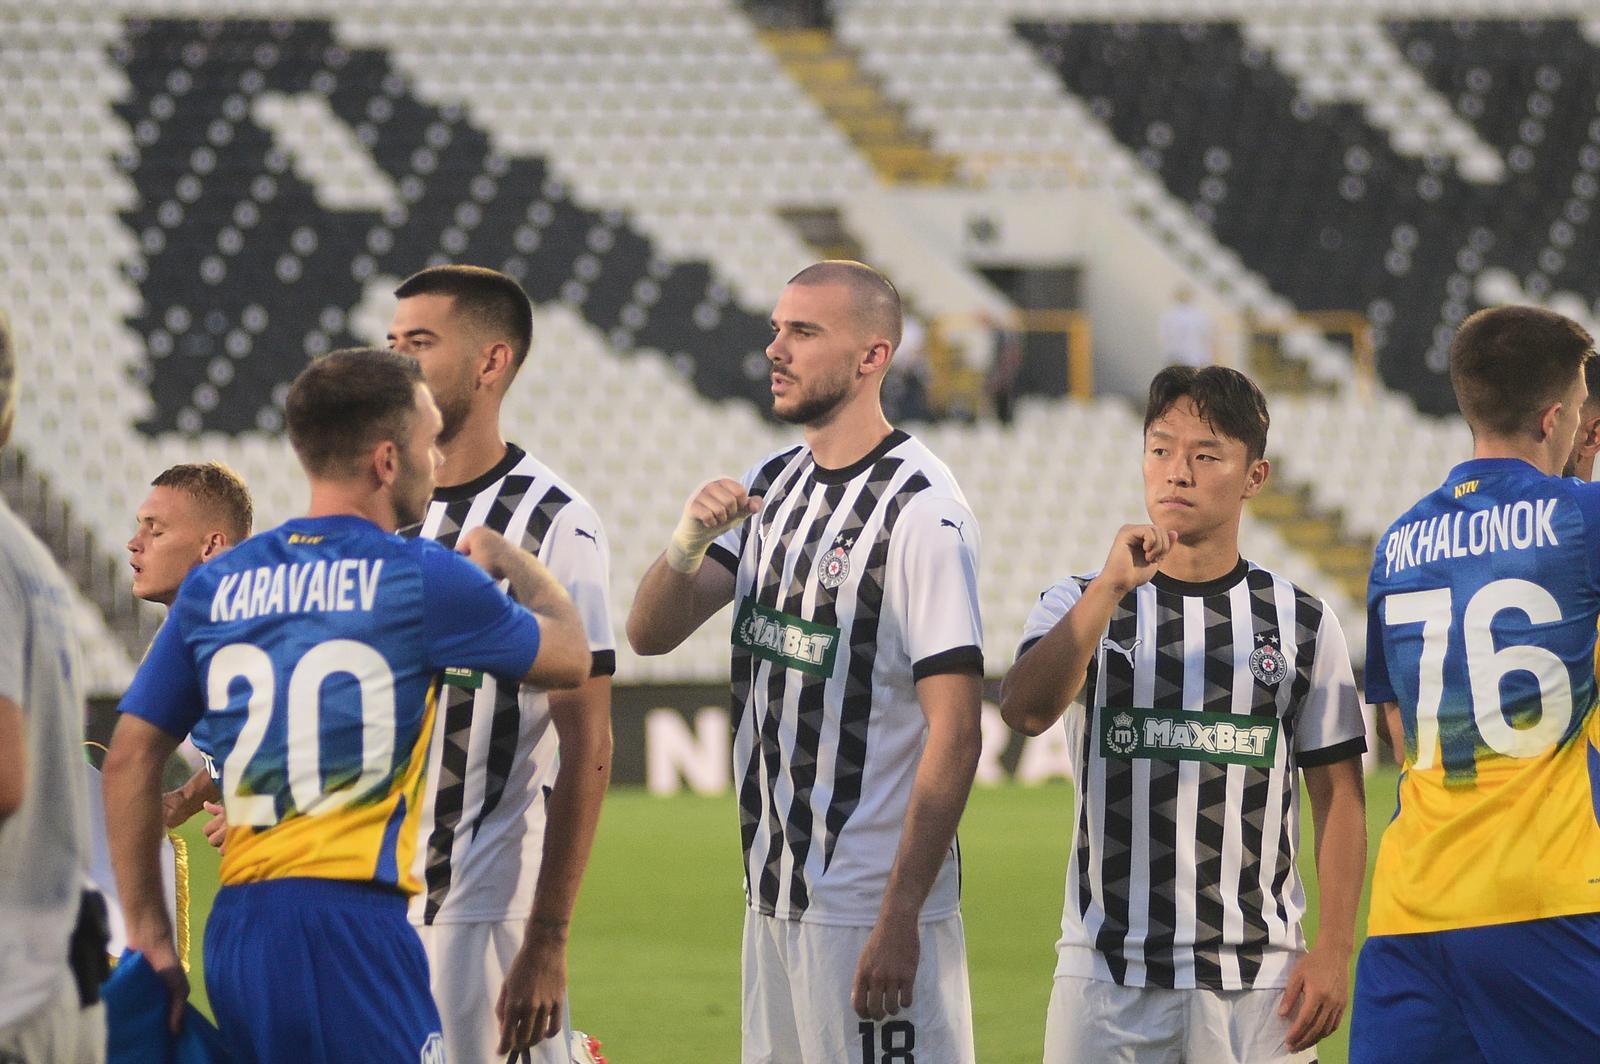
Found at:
(132, 790)
(535, 588)
(564, 657)
(1046, 679)
(13, 758)
(1340, 817)
(669, 606)
(573, 813)
(192, 796)
(938, 797)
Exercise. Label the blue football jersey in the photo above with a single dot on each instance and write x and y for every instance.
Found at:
(312, 653)
(1481, 616)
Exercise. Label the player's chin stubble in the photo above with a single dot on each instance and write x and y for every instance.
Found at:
(814, 409)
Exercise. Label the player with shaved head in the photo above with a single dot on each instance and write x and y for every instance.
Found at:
(856, 671)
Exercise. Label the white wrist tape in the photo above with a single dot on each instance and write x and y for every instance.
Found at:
(690, 541)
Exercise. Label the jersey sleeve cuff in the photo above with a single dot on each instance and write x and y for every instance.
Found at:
(603, 663)
(1330, 755)
(723, 557)
(1027, 645)
(958, 659)
(177, 731)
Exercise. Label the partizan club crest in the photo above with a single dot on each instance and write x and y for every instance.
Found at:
(1267, 662)
(833, 568)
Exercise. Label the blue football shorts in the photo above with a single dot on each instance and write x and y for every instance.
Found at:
(319, 971)
(1521, 993)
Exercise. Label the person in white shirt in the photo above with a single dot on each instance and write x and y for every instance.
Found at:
(852, 561)
(1188, 337)
(44, 804)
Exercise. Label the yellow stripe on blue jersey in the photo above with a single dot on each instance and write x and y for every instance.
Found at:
(1481, 625)
(373, 840)
(310, 656)
(1520, 842)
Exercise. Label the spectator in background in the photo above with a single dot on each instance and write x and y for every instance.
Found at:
(1188, 336)
(905, 389)
(1005, 367)
(52, 943)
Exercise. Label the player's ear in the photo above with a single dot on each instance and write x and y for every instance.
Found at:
(1256, 479)
(496, 365)
(214, 544)
(1589, 437)
(1549, 417)
(875, 359)
(385, 462)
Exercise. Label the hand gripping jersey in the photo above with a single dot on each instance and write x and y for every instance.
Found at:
(1481, 624)
(852, 585)
(311, 652)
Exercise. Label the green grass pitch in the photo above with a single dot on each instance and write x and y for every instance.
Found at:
(654, 961)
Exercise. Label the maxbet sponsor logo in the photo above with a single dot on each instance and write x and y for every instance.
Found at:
(1173, 735)
(785, 639)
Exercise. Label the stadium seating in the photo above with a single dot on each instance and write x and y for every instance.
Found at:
(1291, 156)
(194, 198)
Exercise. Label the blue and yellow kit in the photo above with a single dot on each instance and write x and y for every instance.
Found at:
(1481, 625)
(1482, 606)
(313, 653)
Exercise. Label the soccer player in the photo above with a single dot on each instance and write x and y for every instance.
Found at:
(312, 652)
(1586, 443)
(1484, 928)
(853, 560)
(46, 1010)
(518, 774)
(1201, 688)
(193, 513)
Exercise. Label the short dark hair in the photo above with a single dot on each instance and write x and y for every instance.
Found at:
(492, 300)
(1509, 363)
(1224, 398)
(217, 488)
(346, 403)
(876, 300)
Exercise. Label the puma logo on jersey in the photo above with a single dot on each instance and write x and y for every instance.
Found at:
(586, 534)
(1125, 651)
(945, 522)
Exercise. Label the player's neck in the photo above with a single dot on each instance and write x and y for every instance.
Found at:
(475, 450)
(1525, 449)
(1203, 560)
(849, 436)
(339, 499)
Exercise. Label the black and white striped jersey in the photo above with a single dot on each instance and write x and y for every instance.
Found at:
(1201, 705)
(493, 756)
(852, 584)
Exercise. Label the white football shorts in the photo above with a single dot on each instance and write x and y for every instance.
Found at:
(1091, 1020)
(467, 963)
(796, 1008)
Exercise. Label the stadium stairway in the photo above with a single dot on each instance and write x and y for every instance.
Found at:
(855, 102)
(1320, 535)
(1480, 131)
